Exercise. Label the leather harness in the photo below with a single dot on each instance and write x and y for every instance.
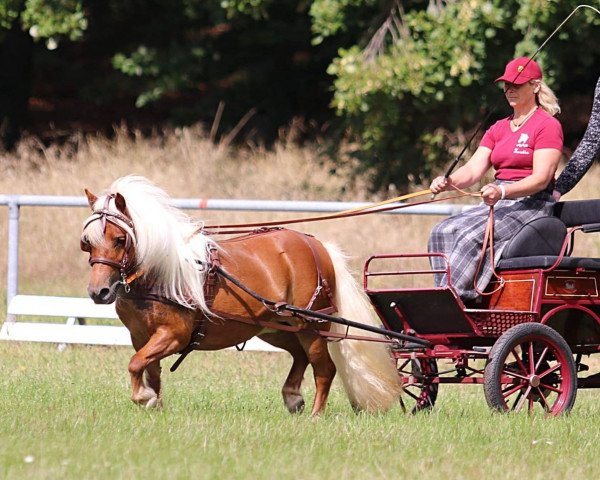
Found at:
(137, 286)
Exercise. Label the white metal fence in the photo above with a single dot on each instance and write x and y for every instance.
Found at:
(71, 308)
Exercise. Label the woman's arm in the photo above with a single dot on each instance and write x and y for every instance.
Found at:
(584, 154)
(467, 175)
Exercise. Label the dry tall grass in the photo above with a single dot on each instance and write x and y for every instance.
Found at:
(188, 165)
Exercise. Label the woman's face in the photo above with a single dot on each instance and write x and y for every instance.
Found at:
(520, 95)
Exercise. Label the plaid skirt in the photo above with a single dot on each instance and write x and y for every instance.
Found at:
(461, 236)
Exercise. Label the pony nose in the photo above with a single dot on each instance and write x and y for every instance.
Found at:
(101, 295)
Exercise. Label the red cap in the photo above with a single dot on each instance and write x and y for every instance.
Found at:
(520, 71)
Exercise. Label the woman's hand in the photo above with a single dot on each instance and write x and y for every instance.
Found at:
(556, 195)
(440, 184)
(491, 194)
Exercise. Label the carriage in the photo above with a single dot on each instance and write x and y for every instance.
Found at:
(524, 341)
(177, 290)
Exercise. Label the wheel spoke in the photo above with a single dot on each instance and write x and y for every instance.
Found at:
(519, 361)
(541, 359)
(509, 391)
(542, 399)
(410, 394)
(551, 387)
(517, 399)
(511, 374)
(530, 407)
(519, 405)
(402, 405)
(403, 366)
(550, 370)
(531, 359)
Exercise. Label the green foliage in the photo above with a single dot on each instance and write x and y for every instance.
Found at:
(256, 9)
(166, 71)
(9, 12)
(331, 17)
(51, 18)
(408, 80)
(406, 95)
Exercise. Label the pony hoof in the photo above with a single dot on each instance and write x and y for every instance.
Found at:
(296, 405)
(152, 403)
(147, 399)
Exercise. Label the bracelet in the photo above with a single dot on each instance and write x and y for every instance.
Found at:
(503, 190)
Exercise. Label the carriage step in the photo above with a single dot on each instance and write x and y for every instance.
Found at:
(482, 349)
(582, 367)
(404, 346)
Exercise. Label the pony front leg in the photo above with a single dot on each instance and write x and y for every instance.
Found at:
(144, 367)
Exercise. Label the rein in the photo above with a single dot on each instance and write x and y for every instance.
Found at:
(488, 238)
(233, 228)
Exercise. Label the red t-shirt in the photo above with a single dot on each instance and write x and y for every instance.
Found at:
(512, 152)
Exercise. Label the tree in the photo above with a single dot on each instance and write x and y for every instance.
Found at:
(409, 81)
(180, 59)
(413, 90)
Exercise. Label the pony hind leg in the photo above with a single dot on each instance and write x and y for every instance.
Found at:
(324, 369)
(291, 391)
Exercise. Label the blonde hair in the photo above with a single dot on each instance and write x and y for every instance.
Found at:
(546, 98)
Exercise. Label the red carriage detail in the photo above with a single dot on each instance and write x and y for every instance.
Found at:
(524, 341)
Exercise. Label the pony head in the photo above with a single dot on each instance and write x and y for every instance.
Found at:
(134, 231)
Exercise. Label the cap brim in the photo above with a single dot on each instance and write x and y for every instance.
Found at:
(519, 80)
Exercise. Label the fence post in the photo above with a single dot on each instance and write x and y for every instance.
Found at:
(12, 286)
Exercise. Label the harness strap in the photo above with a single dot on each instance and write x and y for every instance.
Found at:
(307, 327)
(322, 283)
(211, 285)
(488, 238)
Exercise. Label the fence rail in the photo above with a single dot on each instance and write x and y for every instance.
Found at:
(15, 202)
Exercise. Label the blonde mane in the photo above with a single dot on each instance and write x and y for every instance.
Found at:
(165, 244)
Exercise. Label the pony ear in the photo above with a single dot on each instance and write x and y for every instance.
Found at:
(91, 198)
(120, 203)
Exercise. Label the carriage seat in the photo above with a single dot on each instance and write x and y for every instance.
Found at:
(538, 243)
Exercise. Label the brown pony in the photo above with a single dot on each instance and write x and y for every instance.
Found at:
(149, 258)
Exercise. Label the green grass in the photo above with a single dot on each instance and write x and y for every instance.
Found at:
(68, 415)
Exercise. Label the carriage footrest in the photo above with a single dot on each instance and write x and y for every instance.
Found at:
(427, 311)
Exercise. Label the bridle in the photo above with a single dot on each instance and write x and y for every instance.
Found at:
(126, 265)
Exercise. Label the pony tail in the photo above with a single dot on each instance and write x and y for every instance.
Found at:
(547, 99)
(367, 369)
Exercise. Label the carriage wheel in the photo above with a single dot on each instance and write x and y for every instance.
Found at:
(531, 367)
(421, 393)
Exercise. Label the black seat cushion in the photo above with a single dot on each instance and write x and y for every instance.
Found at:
(578, 212)
(546, 261)
(540, 236)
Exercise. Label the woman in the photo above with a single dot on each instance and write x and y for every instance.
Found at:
(524, 149)
(584, 154)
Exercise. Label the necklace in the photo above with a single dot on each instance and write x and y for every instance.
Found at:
(517, 125)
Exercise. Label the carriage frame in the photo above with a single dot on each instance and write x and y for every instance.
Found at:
(524, 341)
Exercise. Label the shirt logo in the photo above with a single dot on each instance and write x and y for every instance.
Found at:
(522, 145)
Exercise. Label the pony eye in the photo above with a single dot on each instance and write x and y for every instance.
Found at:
(120, 242)
(85, 245)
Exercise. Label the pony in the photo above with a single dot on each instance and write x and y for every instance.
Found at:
(160, 268)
